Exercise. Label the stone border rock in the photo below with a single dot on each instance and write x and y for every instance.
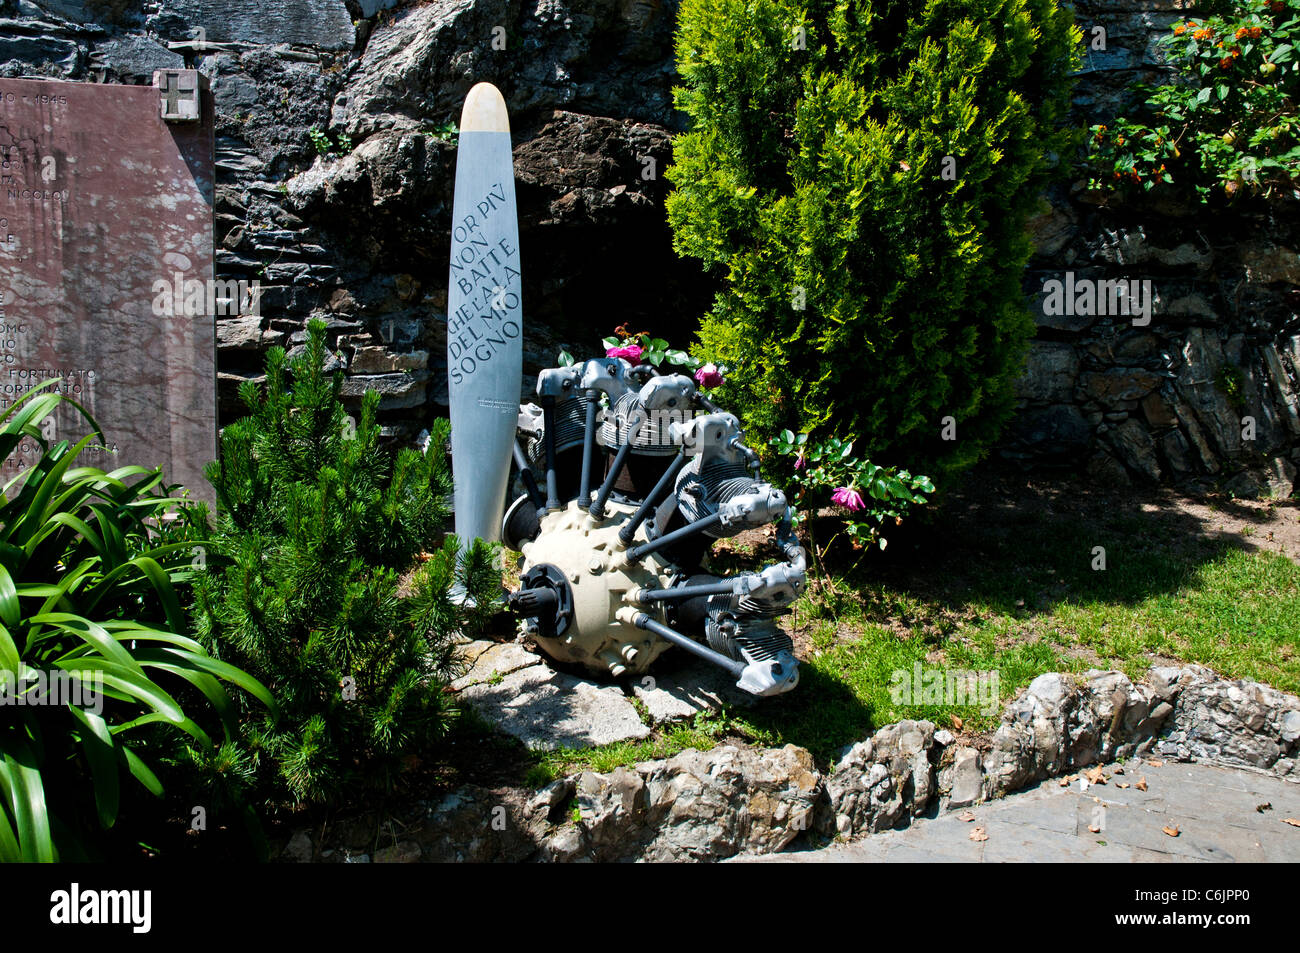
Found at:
(1060, 724)
(711, 805)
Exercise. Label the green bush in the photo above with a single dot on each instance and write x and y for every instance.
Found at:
(90, 566)
(1230, 121)
(315, 582)
(861, 174)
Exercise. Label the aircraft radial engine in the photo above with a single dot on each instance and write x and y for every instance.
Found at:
(625, 480)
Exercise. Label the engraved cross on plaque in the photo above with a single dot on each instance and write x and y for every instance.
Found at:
(179, 96)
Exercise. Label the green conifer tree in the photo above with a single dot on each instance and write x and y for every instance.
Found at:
(859, 174)
(319, 583)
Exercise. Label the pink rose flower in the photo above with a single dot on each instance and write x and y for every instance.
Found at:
(708, 376)
(800, 462)
(631, 352)
(849, 498)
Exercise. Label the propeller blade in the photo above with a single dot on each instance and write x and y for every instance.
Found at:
(484, 316)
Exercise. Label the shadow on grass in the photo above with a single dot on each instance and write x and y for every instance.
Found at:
(1007, 576)
(1018, 547)
(822, 714)
(1018, 578)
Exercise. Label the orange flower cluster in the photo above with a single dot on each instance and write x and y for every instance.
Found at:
(1180, 29)
(1203, 34)
(1248, 32)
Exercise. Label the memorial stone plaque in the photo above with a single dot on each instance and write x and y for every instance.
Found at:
(106, 267)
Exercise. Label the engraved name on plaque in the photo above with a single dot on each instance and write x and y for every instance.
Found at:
(106, 267)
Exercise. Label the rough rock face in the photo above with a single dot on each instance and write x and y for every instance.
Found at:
(600, 57)
(325, 24)
(476, 825)
(1060, 724)
(1057, 726)
(350, 224)
(694, 806)
(1207, 394)
(1239, 723)
(707, 806)
(881, 781)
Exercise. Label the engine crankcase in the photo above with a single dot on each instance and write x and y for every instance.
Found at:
(590, 557)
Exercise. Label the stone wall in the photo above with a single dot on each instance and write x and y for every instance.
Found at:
(360, 236)
(684, 808)
(1169, 400)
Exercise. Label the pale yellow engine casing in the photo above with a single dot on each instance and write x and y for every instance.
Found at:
(591, 556)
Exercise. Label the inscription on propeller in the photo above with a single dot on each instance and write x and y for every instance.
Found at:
(486, 271)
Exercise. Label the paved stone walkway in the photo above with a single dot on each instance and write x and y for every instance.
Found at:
(1215, 810)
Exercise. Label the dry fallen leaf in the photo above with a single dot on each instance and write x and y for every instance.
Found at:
(966, 816)
(978, 834)
(1093, 828)
(1156, 764)
(956, 722)
(1095, 775)
(1266, 806)
(1122, 785)
(1171, 831)
(1119, 769)
(1141, 785)
(1064, 781)
(1291, 820)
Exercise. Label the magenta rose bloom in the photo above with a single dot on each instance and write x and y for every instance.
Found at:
(708, 376)
(631, 352)
(800, 462)
(848, 498)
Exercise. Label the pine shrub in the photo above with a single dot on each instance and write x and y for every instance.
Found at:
(319, 582)
(860, 175)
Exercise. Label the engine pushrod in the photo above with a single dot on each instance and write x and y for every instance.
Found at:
(724, 587)
(526, 474)
(588, 448)
(629, 529)
(637, 553)
(597, 509)
(548, 440)
(643, 621)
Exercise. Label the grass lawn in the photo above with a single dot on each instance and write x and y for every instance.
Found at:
(1007, 580)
